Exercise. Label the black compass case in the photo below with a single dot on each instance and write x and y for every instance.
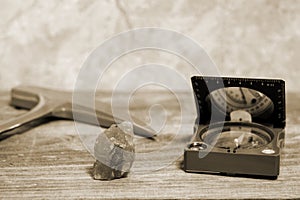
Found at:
(201, 155)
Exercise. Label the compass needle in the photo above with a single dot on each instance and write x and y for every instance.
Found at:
(240, 138)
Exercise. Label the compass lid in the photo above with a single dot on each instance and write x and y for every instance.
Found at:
(216, 97)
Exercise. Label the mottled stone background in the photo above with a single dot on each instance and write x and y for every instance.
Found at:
(45, 42)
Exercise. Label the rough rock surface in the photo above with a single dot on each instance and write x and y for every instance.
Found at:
(114, 152)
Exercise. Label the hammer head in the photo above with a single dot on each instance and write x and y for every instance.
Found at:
(59, 104)
(29, 96)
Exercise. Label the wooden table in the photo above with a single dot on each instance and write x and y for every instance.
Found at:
(50, 161)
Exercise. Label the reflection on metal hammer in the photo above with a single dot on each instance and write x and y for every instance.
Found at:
(44, 103)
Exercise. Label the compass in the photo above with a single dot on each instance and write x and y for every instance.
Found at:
(239, 128)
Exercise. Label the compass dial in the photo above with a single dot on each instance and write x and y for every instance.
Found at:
(239, 98)
(237, 135)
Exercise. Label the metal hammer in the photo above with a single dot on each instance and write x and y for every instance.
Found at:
(44, 103)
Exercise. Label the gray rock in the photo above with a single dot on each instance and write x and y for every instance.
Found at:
(114, 152)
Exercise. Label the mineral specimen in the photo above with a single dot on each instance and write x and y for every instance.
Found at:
(114, 152)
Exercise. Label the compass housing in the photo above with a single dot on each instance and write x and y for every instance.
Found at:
(223, 145)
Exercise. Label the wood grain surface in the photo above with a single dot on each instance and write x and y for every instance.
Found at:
(50, 162)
